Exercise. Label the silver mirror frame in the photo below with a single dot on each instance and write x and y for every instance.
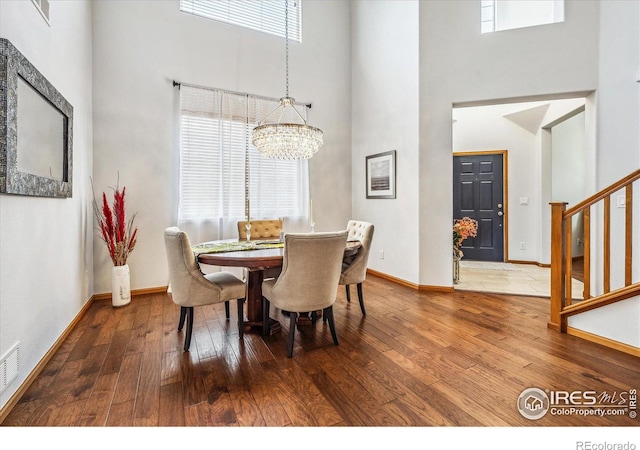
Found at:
(13, 65)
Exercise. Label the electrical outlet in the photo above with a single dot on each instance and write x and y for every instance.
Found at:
(381, 254)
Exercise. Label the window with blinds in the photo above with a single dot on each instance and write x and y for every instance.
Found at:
(215, 136)
(267, 16)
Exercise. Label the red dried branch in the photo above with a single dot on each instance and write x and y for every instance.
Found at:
(117, 233)
(107, 215)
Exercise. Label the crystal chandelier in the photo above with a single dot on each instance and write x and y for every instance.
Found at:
(286, 140)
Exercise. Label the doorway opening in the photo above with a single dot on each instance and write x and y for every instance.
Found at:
(550, 143)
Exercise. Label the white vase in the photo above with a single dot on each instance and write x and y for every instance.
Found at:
(120, 285)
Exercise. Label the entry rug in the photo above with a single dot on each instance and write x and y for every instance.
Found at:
(234, 246)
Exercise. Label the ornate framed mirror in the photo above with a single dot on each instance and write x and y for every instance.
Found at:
(36, 130)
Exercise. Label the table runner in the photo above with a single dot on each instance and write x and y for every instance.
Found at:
(234, 246)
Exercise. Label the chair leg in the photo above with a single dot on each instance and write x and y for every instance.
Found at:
(226, 309)
(187, 337)
(292, 331)
(241, 317)
(348, 293)
(314, 317)
(328, 312)
(183, 315)
(266, 304)
(361, 299)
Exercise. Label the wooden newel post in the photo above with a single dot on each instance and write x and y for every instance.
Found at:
(557, 267)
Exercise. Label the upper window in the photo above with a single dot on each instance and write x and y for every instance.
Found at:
(267, 16)
(43, 8)
(498, 15)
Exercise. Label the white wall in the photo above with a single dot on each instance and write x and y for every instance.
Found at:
(568, 175)
(46, 259)
(141, 46)
(385, 117)
(568, 161)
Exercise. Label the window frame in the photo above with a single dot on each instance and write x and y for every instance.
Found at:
(491, 19)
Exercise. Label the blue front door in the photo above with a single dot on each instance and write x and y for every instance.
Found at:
(478, 194)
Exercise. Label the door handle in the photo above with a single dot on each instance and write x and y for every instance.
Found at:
(500, 213)
(499, 205)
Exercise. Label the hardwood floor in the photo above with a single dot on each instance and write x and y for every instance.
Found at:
(416, 359)
(577, 268)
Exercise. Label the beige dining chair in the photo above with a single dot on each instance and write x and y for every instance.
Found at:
(309, 279)
(354, 269)
(190, 287)
(260, 229)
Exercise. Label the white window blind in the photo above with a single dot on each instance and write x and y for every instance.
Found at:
(267, 16)
(215, 130)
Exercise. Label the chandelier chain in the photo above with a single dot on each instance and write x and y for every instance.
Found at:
(286, 40)
(246, 165)
(287, 141)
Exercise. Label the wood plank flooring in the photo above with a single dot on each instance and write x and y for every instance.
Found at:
(416, 359)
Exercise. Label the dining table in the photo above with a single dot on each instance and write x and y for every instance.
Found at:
(255, 256)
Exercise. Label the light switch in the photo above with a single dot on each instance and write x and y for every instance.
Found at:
(622, 201)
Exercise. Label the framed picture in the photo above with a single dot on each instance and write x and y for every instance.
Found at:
(381, 175)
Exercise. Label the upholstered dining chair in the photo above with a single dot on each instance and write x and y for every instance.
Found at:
(260, 229)
(190, 287)
(354, 269)
(309, 279)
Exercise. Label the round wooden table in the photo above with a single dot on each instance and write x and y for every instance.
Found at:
(256, 261)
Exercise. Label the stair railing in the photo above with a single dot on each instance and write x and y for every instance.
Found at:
(561, 254)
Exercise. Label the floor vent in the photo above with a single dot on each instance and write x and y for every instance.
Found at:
(9, 366)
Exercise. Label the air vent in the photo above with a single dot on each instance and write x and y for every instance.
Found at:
(9, 366)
